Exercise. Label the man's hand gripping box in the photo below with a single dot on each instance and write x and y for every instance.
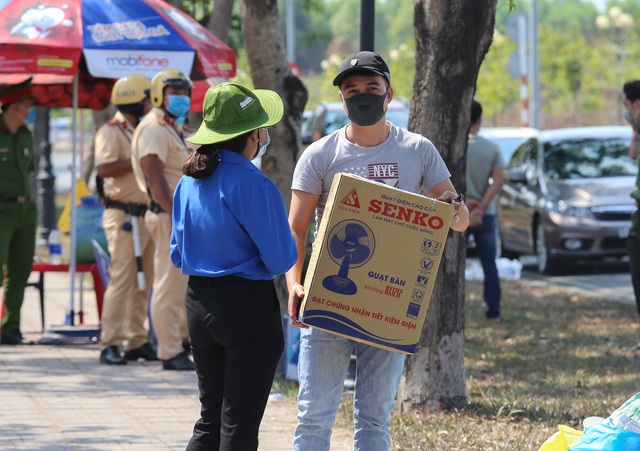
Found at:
(374, 263)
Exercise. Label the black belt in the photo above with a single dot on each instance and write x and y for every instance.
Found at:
(14, 200)
(155, 208)
(128, 207)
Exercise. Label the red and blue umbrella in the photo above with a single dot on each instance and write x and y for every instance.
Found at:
(100, 41)
(115, 38)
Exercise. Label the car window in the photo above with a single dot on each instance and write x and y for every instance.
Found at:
(334, 120)
(507, 145)
(399, 117)
(530, 161)
(588, 158)
(518, 157)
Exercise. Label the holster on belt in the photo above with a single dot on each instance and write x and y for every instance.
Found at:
(128, 207)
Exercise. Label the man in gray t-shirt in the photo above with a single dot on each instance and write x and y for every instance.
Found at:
(484, 180)
(371, 147)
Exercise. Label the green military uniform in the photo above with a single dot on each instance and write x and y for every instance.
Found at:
(19, 218)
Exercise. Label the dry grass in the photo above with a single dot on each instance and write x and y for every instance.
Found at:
(555, 359)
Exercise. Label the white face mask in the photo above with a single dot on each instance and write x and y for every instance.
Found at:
(263, 147)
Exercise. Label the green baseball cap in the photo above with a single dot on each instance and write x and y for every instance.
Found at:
(230, 110)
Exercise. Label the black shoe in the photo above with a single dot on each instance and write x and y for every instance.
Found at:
(144, 352)
(179, 363)
(111, 356)
(14, 337)
(187, 347)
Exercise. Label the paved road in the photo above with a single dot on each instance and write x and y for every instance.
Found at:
(58, 397)
(609, 281)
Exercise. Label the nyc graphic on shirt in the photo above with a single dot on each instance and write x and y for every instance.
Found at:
(386, 173)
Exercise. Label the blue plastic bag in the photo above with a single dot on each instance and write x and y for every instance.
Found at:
(602, 437)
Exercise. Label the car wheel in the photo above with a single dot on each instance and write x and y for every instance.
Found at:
(545, 262)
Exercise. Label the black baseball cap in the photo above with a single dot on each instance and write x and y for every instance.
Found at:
(362, 61)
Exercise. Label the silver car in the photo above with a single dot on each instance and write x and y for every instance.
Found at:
(566, 197)
(507, 138)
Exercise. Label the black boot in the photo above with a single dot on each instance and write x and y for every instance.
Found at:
(179, 363)
(14, 337)
(111, 356)
(144, 352)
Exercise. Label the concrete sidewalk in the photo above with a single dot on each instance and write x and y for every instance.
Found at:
(58, 397)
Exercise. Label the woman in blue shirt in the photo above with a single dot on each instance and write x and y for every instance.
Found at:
(231, 236)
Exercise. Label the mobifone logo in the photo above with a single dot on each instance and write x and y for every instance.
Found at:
(351, 199)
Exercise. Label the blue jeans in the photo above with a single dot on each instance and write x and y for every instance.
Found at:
(485, 236)
(322, 369)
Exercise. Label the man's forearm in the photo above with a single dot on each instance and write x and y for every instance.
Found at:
(294, 275)
(115, 168)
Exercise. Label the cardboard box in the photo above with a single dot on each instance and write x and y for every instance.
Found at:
(374, 263)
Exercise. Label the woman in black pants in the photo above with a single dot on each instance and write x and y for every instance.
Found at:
(231, 236)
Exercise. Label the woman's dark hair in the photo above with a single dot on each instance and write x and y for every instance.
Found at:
(632, 90)
(202, 162)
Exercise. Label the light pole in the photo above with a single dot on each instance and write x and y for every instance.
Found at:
(618, 21)
(367, 24)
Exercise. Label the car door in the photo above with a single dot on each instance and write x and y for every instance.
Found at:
(517, 199)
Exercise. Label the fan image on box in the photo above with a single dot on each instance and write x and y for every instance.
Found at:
(351, 245)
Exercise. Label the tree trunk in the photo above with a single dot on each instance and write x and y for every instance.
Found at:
(220, 19)
(270, 70)
(452, 37)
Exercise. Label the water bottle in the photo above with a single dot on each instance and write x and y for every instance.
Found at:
(55, 247)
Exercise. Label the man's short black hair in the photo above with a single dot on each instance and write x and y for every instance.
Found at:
(632, 90)
(476, 111)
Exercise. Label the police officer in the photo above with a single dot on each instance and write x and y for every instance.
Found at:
(158, 153)
(17, 210)
(125, 303)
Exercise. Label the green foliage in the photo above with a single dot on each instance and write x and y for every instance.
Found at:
(402, 66)
(576, 16)
(320, 84)
(312, 31)
(201, 10)
(571, 71)
(496, 88)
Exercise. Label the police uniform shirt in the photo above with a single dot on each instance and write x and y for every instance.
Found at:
(155, 136)
(113, 143)
(16, 161)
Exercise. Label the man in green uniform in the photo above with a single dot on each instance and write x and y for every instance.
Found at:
(17, 210)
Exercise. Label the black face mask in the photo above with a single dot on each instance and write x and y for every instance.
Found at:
(366, 109)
